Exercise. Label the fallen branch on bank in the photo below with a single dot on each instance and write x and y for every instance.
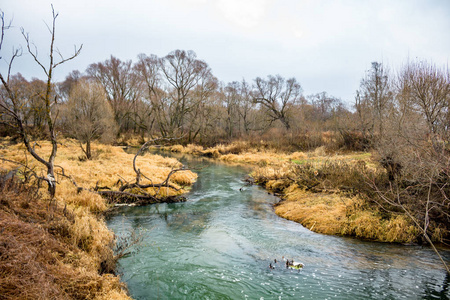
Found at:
(140, 191)
(117, 197)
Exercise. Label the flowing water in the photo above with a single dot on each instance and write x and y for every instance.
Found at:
(219, 244)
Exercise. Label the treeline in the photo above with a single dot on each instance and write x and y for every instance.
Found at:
(178, 96)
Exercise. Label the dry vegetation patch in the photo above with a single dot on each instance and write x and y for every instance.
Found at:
(62, 249)
(111, 167)
(339, 215)
(262, 155)
(48, 251)
(331, 196)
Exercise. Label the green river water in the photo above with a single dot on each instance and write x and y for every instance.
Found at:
(219, 244)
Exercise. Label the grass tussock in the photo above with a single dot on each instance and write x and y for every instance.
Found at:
(48, 251)
(188, 149)
(335, 214)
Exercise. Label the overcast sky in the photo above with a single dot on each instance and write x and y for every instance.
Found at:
(326, 45)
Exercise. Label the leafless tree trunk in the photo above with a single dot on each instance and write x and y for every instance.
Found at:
(9, 104)
(426, 88)
(374, 99)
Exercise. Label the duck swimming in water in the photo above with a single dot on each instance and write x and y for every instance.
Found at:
(290, 264)
(294, 265)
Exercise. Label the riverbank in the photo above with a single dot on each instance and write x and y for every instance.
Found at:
(320, 190)
(221, 242)
(61, 248)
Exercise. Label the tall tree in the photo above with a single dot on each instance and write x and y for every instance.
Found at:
(69, 82)
(231, 102)
(376, 96)
(10, 104)
(427, 89)
(148, 71)
(185, 76)
(88, 115)
(277, 95)
(120, 83)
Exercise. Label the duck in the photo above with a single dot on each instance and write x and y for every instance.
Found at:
(296, 265)
(290, 264)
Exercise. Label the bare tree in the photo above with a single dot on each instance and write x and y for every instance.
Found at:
(240, 109)
(88, 116)
(202, 117)
(426, 89)
(10, 104)
(325, 106)
(231, 102)
(189, 81)
(148, 72)
(120, 83)
(374, 99)
(277, 95)
(247, 111)
(414, 150)
(69, 82)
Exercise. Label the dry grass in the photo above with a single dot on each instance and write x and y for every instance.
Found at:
(325, 195)
(110, 165)
(262, 155)
(189, 149)
(51, 252)
(132, 140)
(339, 215)
(62, 251)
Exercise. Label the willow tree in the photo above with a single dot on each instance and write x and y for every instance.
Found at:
(11, 106)
(88, 115)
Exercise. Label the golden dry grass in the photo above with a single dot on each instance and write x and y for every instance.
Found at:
(110, 165)
(189, 149)
(51, 252)
(63, 250)
(332, 211)
(243, 152)
(340, 215)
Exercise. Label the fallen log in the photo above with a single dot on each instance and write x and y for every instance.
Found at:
(118, 197)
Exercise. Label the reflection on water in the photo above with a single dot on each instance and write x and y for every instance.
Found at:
(218, 245)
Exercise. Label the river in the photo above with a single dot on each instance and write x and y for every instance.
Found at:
(220, 243)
